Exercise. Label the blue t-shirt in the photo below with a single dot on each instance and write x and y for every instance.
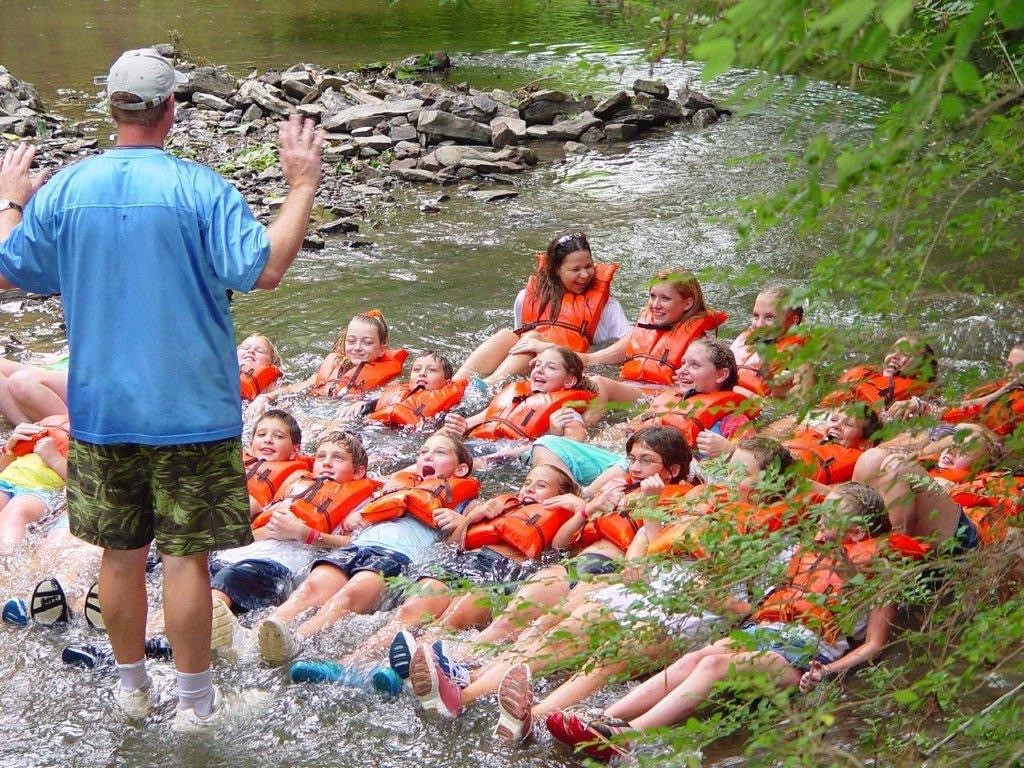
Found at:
(142, 248)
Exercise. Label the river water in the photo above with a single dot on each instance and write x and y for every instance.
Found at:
(445, 281)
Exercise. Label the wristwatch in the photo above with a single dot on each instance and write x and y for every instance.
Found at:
(6, 204)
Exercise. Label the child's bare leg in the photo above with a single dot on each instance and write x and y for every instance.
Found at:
(915, 504)
(16, 516)
(322, 583)
(544, 623)
(684, 700)
(39, 393)
(470, 610)
(543, 590)
(513, 365)
(648, 694)
(485, 359)
(359, 595)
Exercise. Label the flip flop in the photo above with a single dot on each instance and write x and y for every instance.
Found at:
(93, 612)
(49, 605)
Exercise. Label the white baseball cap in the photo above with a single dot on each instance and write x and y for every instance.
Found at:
(144, 73)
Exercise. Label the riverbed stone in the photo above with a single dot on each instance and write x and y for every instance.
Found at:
(404, 149)
(671, 111)
(507, 130)
(210, 80)
(209, 101)
(404, 164)
(573, 129)
(417, 175)
(575, 148)
(404, 132)
(368, 114)
(452, 155)
(494, 196)
(621, 131)
(363, 130)
(538, 131)
(314, 110)
(338, 226)
(483, 167)
(705, 117)
(266, 96)
(655, 88)
(593, 135)
(614, 103)
(437, 123)
(484, 104)
(375, 142)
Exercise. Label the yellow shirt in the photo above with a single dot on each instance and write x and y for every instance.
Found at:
(31, 472)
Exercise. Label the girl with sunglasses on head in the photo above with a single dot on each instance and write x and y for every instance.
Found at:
(567, 301)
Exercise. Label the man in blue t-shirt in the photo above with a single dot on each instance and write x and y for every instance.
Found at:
(142, 248)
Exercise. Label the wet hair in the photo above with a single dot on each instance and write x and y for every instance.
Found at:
(447, 368)
(349, 442)
(865, 505)
(668, 443)
(780, 294)
(275, 356)
(461, 451)
(549, 285)
(146, 118)
(928, 367)
(720, 356)
(294, 430)
(574, 366)
(768, 453)
(685, 283)
(372, 317)
(870, 420)
(566, 483)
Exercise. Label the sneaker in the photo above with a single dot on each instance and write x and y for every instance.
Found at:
(158, 648)
(278, 644)
(457, 673)
(136, 704)
(592, 739)
(93, 612)
(515, 705)
(227, 708)
(314, 671)
(479, 385)
(400, 653)
(96, 655)
(49, 605)
(431, 686)
(385, 681)
(16, 612)
(228, 638)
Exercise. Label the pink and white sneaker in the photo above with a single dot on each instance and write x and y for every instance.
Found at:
(515, 705)
(432, 686)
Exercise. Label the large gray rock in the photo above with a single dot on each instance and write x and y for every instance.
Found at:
(368, 114)
(613, 104)
(266, 96)
(482, 167)
(403, 133)
(378, 143)
(485, 104)
(444, 124)
(404, 149)
(655, 88)
(298, 85)
(452, 155)
(573, 129)
(416, 174)
(506, 131)
(705, 117)
(207, 80)
(621, 131)
(209, 101)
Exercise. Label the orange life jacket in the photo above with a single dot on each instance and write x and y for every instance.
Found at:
(56, 427)
(528, 528)
(682, 537)
(815, 582)
(578, 315)
(620, 527)
(953, 475)
(1001, 415)
(828, 463)
(400, 405)
(334, 381)
(255, 380)
(324, 504)
(265, 478)
(420, 497)
(518, 413)
(992, 500)
(654, 353)
(866, 384)
(752, 378)
(690, 415)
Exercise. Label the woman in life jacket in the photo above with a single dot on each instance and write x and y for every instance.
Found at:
(797, 647)
(599, 531)
(566, 302)
(553, 400)
(761, 351)
(909, 368)
(259, 365)
(483, 556)
(360, 361)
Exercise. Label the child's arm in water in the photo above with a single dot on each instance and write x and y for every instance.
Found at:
(876, 636)
(263, 401)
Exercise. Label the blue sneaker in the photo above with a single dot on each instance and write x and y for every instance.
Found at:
(16, 612)
(400, 653)
(386, 681)
(457, 673)
(479, 385)
(321, 671)
(89, 656)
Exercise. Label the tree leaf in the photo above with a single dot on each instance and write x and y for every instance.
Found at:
(1011, 13)
(951, 107)
(717, 54)
(894, 12)
(966, 77)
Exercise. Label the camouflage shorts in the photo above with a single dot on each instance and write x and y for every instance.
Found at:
(190, 498)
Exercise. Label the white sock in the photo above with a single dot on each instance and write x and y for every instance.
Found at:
(133, 676)
(195, 691)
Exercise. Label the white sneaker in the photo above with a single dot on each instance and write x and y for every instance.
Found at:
(227, 709)
(136, 704)
(278, 644)
(228, 639)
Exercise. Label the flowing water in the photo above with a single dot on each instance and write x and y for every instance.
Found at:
(444, 281)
